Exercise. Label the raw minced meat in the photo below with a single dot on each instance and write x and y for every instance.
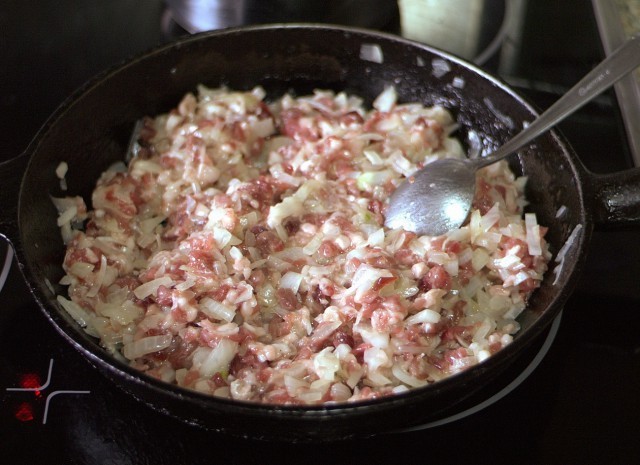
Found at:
(242, 253)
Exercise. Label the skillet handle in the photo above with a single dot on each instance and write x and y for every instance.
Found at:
(615, 198)
(11, 174)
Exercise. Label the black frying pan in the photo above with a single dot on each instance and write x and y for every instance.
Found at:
(91, 130)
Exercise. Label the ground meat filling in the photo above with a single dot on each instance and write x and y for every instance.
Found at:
(241, 253)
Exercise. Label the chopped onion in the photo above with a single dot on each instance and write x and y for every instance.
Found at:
(81, 269)
(386, 100)
(263, 127)
(370, 179)
(61, 169)
(99, 280)
(223, 237)
(219, 358)
(291, 280)
(294, 385)
(67, 215)
(374, 158)
(375, 358)
(79, 314)
(458, 82)
(147, 226)
(406, 378)
(533, 234)
(146, 345)
(370, 336)
(568, 243)
(423, 316)
(376, 239)
(313, 245)
(490, 218)
(364, 279)
(440, 67)
(326, 364)
(400, 164)
(216, 310)
(371, 52)
(506, 120)
(151, 287)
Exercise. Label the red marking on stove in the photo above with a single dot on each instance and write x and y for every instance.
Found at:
(24, 412)
(30, 382)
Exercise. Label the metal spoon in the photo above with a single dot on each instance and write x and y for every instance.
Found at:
(438, 197)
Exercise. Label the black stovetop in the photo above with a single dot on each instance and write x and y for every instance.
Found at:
(583, 377)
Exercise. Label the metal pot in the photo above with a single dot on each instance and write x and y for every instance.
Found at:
(91, 130)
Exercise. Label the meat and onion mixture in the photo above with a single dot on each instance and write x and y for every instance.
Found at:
(241, 252)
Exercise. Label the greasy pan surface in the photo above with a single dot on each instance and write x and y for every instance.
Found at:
(92, 129)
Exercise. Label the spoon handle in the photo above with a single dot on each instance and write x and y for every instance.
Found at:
(622, 61)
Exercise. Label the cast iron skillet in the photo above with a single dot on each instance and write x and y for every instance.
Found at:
(92, 129)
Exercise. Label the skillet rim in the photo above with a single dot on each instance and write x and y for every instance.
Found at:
(77, 337)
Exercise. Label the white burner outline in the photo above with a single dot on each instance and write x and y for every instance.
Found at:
(39, 388)
(500, 394)
(49, 396)
(6, 267)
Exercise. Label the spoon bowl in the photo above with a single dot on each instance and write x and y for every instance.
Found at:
(434, 196)
(438, 197)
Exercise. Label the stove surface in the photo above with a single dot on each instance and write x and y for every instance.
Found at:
(581, 389)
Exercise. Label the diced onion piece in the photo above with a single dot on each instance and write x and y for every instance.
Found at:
(376, 339)
(568, 243)
(61, 169)
(67, 215)
(374, 158)
(386, 100)
(375, 358)
(151, 287)
(223, 237)
(81, 269)
(458, 82)
(490, 218)
(423, 316)
(290, 206)
(78, 313)
(440, 67)
(406, 378)
(326, 364)
(147, 226)
(146, 345)
(216, 310)
(371, 52)
(219, 358)
(365, 278)
(399, 163)
(95, 288)
(123, 314)
(263, 127)
(370, 179)
(376, 239)
(291, 280)
(313, 245)
(533, 234)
